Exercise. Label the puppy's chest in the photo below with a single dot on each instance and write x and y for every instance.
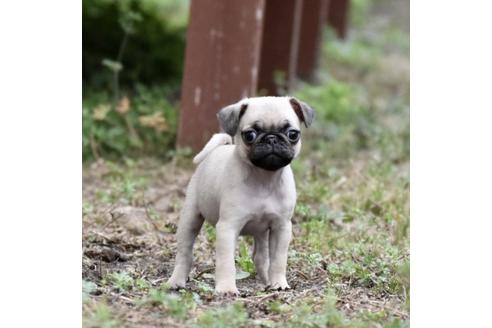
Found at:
(264, 214)
(269, 207)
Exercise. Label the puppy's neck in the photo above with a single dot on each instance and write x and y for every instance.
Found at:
(265, 175)
(264, 182)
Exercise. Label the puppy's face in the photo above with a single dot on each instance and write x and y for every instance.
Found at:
(267, 129)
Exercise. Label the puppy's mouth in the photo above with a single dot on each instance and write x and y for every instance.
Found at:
(271, 162)
(271, 157)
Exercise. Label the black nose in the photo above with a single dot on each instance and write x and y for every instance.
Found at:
(271, 139)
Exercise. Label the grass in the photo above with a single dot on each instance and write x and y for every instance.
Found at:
(101, 316)
(141, 122)
(244, 260)
(232, 315)
(176, 306)
(349, 258)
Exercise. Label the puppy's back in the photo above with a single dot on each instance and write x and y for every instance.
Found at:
(218, 139)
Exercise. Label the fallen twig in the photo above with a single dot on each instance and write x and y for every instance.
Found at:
(302, 274)
(149, 219)
(207, 270)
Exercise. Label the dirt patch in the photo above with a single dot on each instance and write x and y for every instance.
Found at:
(131, 236)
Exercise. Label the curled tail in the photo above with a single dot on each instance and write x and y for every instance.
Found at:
(217, 140)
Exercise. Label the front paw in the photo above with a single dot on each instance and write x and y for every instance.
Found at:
(176, 284)
(278, 285)
(226, 290)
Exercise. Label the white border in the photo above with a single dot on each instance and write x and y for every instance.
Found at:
(40, 165)
(451, 147)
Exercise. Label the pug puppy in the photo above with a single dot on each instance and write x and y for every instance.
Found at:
(244, 185)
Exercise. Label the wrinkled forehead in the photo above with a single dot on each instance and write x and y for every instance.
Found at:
(269, 113)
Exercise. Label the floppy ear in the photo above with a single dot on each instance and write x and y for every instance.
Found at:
(303, 111)
(230, 116)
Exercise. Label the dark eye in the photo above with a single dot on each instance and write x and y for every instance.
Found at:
(293, 135)
(249, 136)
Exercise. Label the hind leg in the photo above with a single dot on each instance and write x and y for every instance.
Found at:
(189, 226)
(261, 256)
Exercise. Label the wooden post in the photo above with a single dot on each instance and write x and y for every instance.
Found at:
(221, 63)
(314, 15)
(338, 16)
(280, 46)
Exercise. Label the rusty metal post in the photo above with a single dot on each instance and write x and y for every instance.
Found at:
(221, 63)
(338, 16)
(280, 45)
(314, 13)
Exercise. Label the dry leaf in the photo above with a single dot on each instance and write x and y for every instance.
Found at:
(242, 275)
(156, 121)
(123, 106)
(101, 111)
